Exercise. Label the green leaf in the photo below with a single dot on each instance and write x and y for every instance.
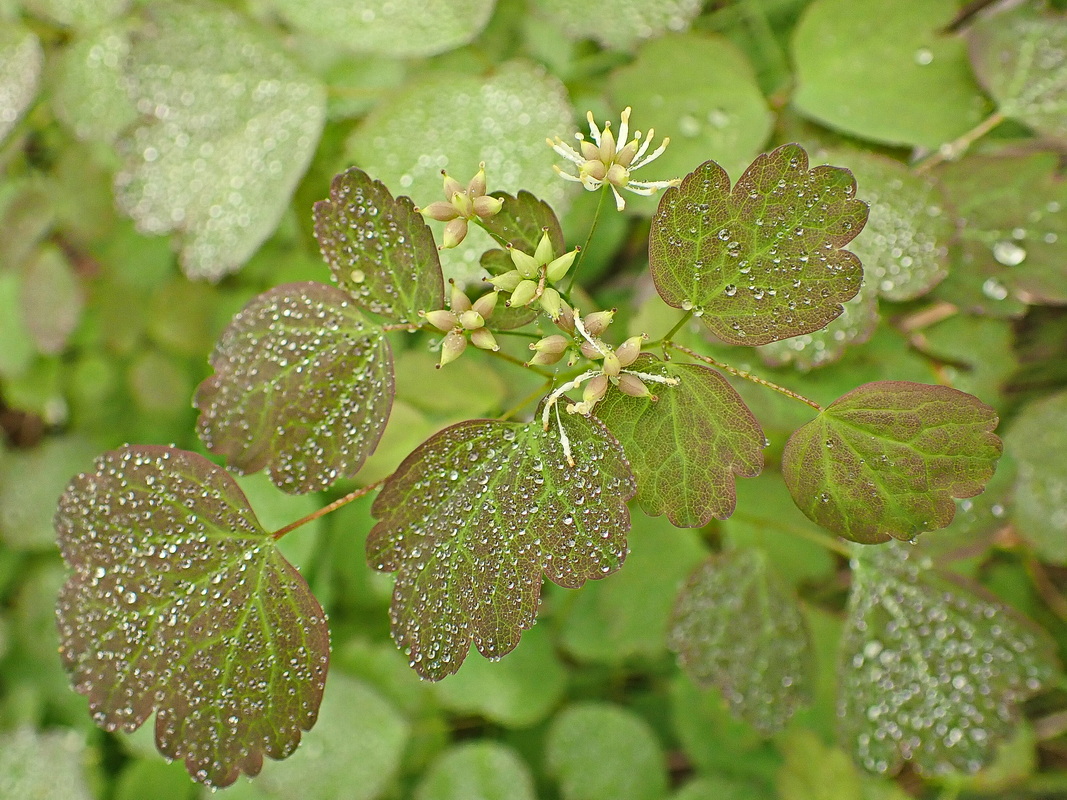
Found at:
(712, 109)
(858, 66)
(43, 766)
(408, 28)
(21, 60)
(759, 262)
(477, 513)
(302, 386)
(484, 770)
(89, 96)
(599, 751)
(686, 447)
(618, 24)
(78, 13)
(767, 672)
(1020, 57)
(379, 249)
(232, 124)
(522, 220)
(180, 603)
(1036, 439)
(885, 460)
(52, 300)
(932, 670)
(816, 771)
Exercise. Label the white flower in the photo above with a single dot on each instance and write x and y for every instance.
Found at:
(602, 161)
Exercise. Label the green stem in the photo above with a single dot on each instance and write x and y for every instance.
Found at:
(524, 334)
(581, 254)
(956, 148)
(832, 544)
(665, 341)
(512, 360)
(515, 409)
(748, 376)
(336, 504)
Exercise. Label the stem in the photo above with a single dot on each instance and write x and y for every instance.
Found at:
(581, 253)
(336, 504)
(957, 147)
(525, 334)
(833, 544)
(410, 327)
(748, 376)
(512, 360)
(665, 340)
(515, 409)
(1056, 602)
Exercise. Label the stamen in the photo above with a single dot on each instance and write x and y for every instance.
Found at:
(659, 151)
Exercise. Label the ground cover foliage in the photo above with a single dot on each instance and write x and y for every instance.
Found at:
(737, 476)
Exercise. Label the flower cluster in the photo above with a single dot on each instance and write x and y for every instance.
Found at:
(461, 320)
(463, 204)
(603, 161)
(528, 282)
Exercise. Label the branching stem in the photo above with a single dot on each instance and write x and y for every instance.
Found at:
(336, 504)
(748, 376)
(956, 148)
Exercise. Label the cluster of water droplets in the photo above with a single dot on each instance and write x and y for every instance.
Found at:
(230, 125)
(179, 603)
(764, 673)
(929, 671)
(21, 59)
(477, 514)
(302, 385)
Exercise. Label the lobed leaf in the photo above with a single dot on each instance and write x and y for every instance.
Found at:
(302, 386)
(762, 261)
(885, 460)
(522, 220)
(477, 513)
(1020, 57)
(180, 603)
(686, 447)
(763, 674)
(931, 669)
(379, 249)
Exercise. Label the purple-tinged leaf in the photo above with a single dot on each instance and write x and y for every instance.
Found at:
(521, 221)
(885, 460)
(767, 672)
(303, 386)
(180, 603)
(686, 447)
(762, 261)
(931, 668)
(474, 517)
(379, 249)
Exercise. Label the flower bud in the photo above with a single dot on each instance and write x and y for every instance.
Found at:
(506, 282)
(633, 386)
(476, 188)
(566, 318)
(592, 169)
(543, 253)
(485, 304)
(590, 152)
(595, 390)
(551, 302)
(483, 338)
(597, 322)
(463, 204)
(452, 347)
(590, 351)
(607, 145)
(611, 367)
(458, 300)
(471, 320)
(455, 232)
(554, 344)
(440, 211)
(441, 319)
(525, 263)
(486, 206)
(618, 175)
(544, 359)
(629, 350)
(523, 293)
(558, 268)
(452, 186)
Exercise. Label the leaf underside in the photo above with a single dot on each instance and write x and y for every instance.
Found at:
(931, 669)
(379, 249)
(885, 460)
(760, 262)
(477, 513)
(303, 386)
(686, 447)
(180, 603)
(766, 672)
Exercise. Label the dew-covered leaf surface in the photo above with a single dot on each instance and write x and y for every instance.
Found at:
(21, 59)
(379, 249)
(931, 670)
(401, 28)
(685, 448)
(474, 517)
(84, 14)
(303, 386)
(618, 23)
(43, 766)
(522, 220)
(229, 125)
(180, 603)
(1020, 57)
(765, 674)
(762, 261)
(885, 460)
(89, 95)
(1038, 441)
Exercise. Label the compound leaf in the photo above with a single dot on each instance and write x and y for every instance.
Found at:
(1020, 57)
(379, 249)
(686, 447)
(885, 460)
(760, 262)
(765, 673)
(521, 221)
(302, 386)
(477, 513)
(931, 669)
(181, 603)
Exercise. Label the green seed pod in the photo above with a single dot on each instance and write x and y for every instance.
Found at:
(543, 253)
(523, 294)
(458, 300)
(611, 367)
(441, 319)
(486, 304)
(633, 386)
(629, 350)
(551, 302)
(597, 322)
(471, 320)
(555, 344)
(525, 263)
(483, 338)
(595, 390)
(455, 232)
(506, 282)
(561, 266)
(452, 347)
(486, 206)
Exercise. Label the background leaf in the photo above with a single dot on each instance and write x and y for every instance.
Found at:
(764, 674)
(522, 220)
(21, 59)
(885, 460)
(473, 518)
(618, 23)
(759, 262)
(686, 448)
(931, 671)
(302, 387)
(379, 249)
(180, 603)
(230, 125)
(43, 766)
(483, 770)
